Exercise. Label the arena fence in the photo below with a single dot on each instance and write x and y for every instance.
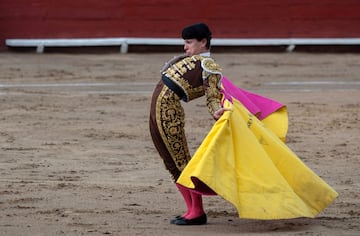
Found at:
(123, 43)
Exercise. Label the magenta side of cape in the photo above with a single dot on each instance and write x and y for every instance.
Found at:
(258, 105)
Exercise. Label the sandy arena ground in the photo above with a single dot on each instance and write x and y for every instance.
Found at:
(77, 159)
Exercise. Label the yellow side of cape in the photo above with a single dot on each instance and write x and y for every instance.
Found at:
(244, 162)
(277, 122)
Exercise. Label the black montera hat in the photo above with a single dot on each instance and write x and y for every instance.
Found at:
(197, 31)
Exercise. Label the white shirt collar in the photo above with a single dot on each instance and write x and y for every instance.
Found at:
(205, 54)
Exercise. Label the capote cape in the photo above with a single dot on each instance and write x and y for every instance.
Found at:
(246, 161)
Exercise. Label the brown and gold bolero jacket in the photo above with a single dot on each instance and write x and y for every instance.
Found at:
(193, 77)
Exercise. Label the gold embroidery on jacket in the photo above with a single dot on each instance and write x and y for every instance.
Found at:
(211, 76)
(175, 73)
(209, 66)
(213, 94)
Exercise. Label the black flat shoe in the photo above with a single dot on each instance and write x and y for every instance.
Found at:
(201, 220)
(172, 221)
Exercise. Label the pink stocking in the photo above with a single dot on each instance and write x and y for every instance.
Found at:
(197, 209)
(185, 192)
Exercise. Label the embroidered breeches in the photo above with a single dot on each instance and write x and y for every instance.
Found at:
(167, 123)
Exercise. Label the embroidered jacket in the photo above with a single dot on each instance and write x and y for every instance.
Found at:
(193, 77)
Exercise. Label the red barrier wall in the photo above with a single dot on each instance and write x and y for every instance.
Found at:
(165, 18)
